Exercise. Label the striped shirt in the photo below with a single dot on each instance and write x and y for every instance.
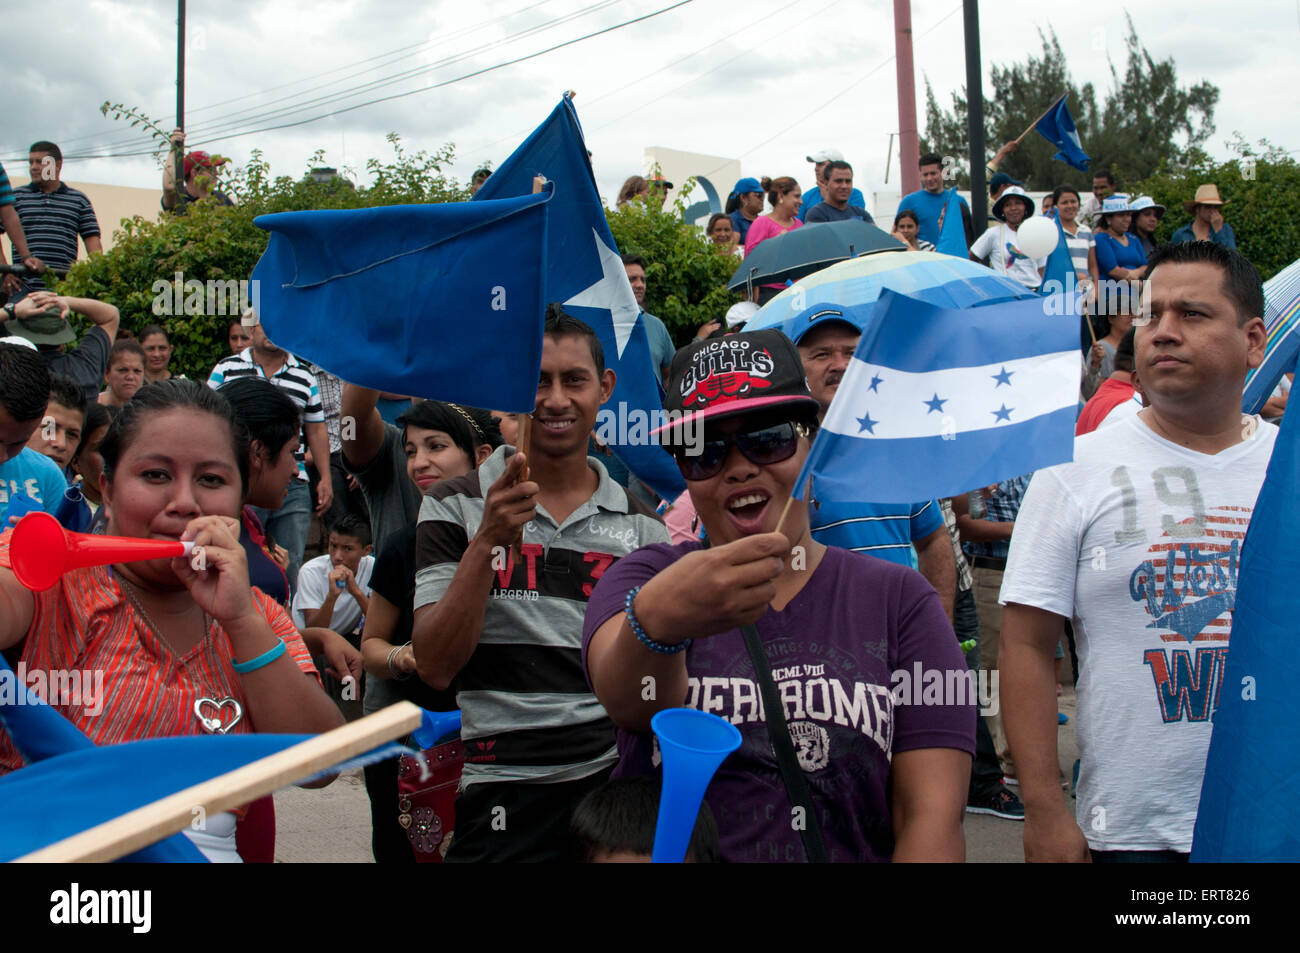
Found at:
(119, 680)
(964, 578)
(884, 530)
(1002, 506)
(6, 192)
(527, 713)
(1079, 243)
(293, 378)
(52, 221)
(331, 399)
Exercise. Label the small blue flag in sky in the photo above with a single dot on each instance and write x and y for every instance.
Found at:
(952, 230)
(439, 301)
(936, 402)
(1282, 319)
(1057, 127)
(586, 276)
(1250, 796)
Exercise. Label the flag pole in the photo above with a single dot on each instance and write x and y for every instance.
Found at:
(525, 438)
(1039, 119)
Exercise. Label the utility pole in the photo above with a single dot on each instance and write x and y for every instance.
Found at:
(909, 145)
(979, 193)
(178, 163)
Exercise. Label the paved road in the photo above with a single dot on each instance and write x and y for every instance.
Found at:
(332, 825)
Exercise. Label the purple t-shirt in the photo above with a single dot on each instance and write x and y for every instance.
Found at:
(833, 650)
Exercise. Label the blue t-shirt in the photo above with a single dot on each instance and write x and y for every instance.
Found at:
(814, 196)
(662, 347)
(1222, 237)
(741, 225)
(1111, 254)
(884, 530)
(34, 474)
(928, 206)
(826, 212)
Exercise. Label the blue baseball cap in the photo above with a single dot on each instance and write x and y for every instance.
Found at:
(746, 185)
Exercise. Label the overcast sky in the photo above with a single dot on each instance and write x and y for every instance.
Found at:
(711, 76)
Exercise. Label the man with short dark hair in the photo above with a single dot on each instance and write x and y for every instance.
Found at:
(65, 416)
(499, 615)
(820, 160)
(42, 318)
(53, 216)
(1103, 184)
(24, 393)
(930, 202)
(835, 206)
(1138, 541)
(662, 348)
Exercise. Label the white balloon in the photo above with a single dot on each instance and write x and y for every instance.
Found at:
(1037, 237)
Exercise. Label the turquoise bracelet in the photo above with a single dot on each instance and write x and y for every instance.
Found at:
(266, 658)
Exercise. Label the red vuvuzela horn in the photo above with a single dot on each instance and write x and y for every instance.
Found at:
(40, 550)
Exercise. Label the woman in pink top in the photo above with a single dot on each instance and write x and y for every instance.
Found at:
(785, 195)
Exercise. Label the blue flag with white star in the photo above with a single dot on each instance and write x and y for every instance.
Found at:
(1057, 127)
(937, 401)
(585, 275)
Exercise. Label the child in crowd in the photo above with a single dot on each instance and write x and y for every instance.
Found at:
(334, 589)
(615, 824)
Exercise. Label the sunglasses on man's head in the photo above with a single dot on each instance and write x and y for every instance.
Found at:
(761, 447)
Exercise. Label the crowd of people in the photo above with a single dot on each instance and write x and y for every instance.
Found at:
(514, 568)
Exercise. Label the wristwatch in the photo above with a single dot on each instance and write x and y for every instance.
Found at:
(12, 311)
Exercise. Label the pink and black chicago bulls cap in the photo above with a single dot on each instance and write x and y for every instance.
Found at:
(736, 374)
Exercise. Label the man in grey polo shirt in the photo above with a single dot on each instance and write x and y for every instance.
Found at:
(498, 616)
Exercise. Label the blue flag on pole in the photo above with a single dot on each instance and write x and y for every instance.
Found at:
(1057, 127)
(1282, 319)
(439, 301)
(1058, 273)
(952, 230)
(937, 401)
(1250, 796)
(586, 276)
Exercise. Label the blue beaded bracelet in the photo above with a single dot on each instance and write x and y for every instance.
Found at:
(651, 644)
(266, 658)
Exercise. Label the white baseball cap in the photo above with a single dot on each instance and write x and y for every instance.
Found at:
(827, 155)
(17, 341)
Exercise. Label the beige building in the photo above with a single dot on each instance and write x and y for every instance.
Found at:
(112, 204)
(712, 173)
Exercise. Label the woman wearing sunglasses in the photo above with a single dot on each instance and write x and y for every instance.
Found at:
(868, 765)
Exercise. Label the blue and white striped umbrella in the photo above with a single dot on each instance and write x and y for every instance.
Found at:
(1282, 316)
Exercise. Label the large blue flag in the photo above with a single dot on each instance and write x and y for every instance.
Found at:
(440, 301)
(937, 401)
(1250, 797)
(587, 277)
(952, 230)
(1057, 127)
(1282, 319)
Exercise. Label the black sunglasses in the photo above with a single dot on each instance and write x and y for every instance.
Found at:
(761, 447)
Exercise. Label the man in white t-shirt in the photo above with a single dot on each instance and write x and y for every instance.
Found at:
(1138, 541)
(334, 589)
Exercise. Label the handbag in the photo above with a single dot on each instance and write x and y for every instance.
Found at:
(796, 785)
(426, 798)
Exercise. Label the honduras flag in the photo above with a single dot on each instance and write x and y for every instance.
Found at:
(1250, 796)
(586, 276)
(1057, 127)
(937, 402)
(1282, 319)
(440, 301)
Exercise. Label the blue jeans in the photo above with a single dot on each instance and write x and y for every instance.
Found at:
(289, 525)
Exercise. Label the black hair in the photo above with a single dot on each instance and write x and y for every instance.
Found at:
(127, 346)
(621, 815)
(24, 382)
(66, 393)
(45, 145)
(174, 394)
(634, 260)
(907, 213)
(1107, 175)
(1061, 190)
(156, 329)
(468, 427)
(266, 413)
(1124, 359)
(484, 171)
(930, 158)
(354, 525)
(559, 324)
(97, 415)
(1241, 281)
(834, 164)
(714, 219)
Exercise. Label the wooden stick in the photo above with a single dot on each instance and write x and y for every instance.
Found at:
(1044, 113)
(788, 503)
(152, 822)
(525, 440)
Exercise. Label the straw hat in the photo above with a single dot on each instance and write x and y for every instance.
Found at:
(1205, 195)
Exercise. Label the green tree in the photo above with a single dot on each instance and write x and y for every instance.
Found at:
(1262, 188)
(1147, 118)
(686, 278)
